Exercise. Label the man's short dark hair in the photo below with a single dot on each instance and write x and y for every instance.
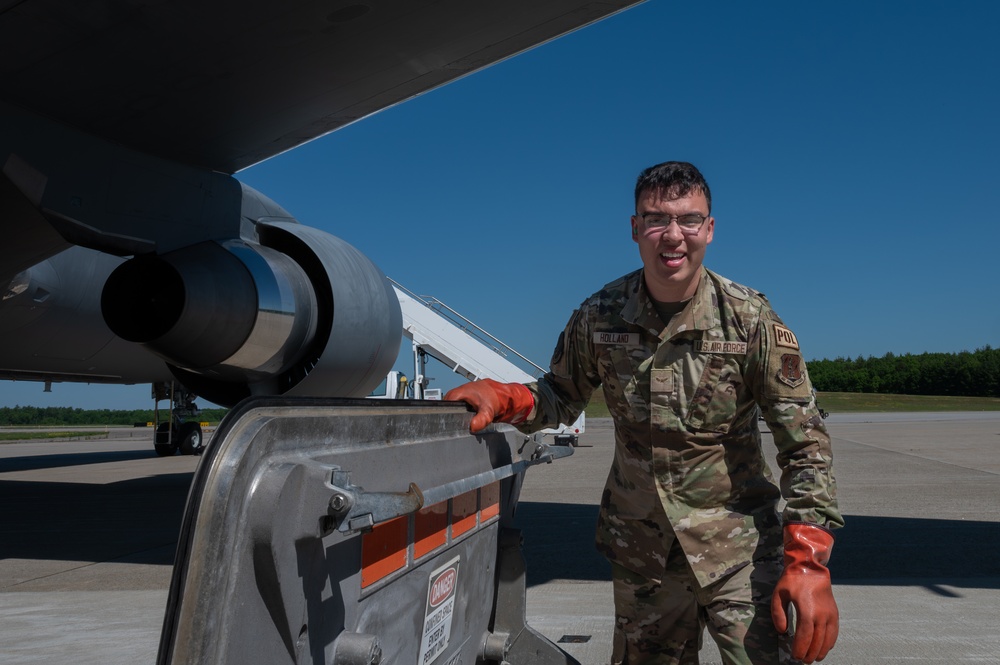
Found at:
(675, 179)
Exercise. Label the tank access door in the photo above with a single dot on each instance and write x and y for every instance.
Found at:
(354, 532)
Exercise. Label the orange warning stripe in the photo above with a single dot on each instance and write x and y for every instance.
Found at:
(489, 502)
(463, 513)
(430, 529)
(386, 548)
(383, 550)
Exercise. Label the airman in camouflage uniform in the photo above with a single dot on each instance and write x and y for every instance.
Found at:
(688, 466)
(688, 516)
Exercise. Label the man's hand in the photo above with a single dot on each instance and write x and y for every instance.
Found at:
(494, 402)
(805, 583)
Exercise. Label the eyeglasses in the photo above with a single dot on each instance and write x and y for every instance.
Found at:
(689, 224)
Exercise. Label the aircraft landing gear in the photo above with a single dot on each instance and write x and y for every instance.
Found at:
(162, 443)
(181, 431)
(190, 438)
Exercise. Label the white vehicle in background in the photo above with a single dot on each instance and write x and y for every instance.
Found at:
(438, 331)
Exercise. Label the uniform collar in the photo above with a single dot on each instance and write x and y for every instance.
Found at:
(702, 313)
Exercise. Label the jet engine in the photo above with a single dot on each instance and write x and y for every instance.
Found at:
(299, 313)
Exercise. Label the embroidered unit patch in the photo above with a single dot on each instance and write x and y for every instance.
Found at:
(791, 370)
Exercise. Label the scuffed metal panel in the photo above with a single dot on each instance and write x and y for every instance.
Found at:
(299, 540)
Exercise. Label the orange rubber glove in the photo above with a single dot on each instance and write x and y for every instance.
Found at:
(805, 583)
(494, 402)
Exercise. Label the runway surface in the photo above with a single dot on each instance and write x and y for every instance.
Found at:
(88, 532)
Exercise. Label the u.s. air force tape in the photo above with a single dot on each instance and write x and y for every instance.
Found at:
(720, 346)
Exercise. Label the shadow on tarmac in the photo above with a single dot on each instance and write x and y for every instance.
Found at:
(910, 551)
(34, 462)
(129, 520)
(134, 519)
(883, 551)
(559, 542)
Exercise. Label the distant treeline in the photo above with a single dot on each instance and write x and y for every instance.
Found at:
(64, 415)
(965, 374)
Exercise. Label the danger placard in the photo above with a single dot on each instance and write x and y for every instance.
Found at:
(441, 589)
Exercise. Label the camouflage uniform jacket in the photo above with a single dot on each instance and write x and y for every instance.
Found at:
(685, 400)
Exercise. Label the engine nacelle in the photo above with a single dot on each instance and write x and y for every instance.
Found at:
(302, 313)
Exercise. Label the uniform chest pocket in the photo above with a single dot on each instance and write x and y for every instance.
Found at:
(626, 393)
(715, 400)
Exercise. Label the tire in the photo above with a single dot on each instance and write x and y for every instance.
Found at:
(162, 443)
(191, 438)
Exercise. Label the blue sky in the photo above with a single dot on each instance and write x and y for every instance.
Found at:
(851, 148)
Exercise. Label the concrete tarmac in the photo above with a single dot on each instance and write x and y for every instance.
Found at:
(88, 532)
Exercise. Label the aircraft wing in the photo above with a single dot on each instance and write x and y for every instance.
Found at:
(223, 85)
(131, 254)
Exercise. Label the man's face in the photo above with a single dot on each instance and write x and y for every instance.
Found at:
(671, 256)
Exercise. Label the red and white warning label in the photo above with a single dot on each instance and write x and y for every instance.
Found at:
(440, 610)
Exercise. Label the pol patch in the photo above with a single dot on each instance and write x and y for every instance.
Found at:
(785, 337)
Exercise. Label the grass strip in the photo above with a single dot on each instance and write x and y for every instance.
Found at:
(32, 436)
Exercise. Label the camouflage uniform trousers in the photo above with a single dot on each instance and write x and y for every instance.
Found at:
(660, 622)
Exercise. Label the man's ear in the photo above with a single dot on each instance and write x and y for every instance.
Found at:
(635, 229)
